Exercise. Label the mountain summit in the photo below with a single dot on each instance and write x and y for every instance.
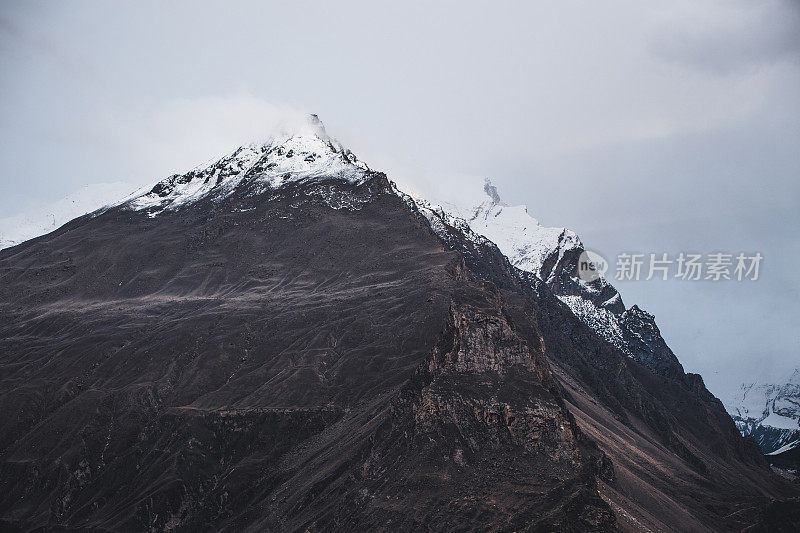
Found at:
(285, 341)
(258, 167)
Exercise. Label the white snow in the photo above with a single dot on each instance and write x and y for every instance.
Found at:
(775, 420)
(785, 448)
(306, 152)
(602, 321)
(526, 243)
(438, 218)
(518, 235)
(774, 405)
(266, 165)
(44, 219)
(748, 401)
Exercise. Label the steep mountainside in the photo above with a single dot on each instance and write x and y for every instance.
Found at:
(283, 341)
(551, 254)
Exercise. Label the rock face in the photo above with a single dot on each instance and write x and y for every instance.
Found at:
(285, 342)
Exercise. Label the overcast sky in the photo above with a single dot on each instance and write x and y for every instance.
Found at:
(644, 126)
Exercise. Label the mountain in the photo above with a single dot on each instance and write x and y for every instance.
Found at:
(769, 412)
(551, 254)
(44, 219)
(285, 341)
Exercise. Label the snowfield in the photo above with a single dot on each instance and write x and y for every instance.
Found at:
(770, 412)
(44, 219)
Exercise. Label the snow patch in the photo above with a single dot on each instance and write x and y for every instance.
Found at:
(261, 166)
(786, 448)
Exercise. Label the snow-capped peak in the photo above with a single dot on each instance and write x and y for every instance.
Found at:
(519, 236)
(769, 411)
(303, 154)
(552, 255)
(522, 239)
(760, 400)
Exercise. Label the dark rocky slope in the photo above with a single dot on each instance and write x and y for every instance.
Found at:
(278, 362)
(679, 461)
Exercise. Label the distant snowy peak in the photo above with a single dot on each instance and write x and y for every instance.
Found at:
(253, 168)
(552, 254)
(526, 243)
(769, 412)
(44, 219)
(758, 399)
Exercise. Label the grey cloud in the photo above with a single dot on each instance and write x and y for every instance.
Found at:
(738, 36)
